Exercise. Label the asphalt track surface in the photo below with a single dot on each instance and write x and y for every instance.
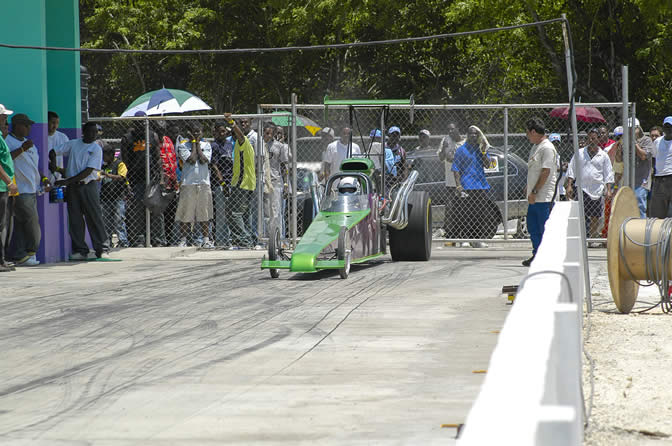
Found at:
(205, 350)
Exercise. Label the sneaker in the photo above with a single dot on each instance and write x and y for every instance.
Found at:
(182, 244)
(5, 269)
(78, 257)
(31, 261)
(9, 265)
(208, 245)
(258, 247)
(528, 262)
(479, 245)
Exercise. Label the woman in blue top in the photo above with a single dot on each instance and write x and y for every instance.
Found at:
(473, 209)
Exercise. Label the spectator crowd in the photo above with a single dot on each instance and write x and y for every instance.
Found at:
(202, 188)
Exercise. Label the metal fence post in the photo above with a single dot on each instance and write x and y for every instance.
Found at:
(148, 147)
(626, 133)
(294, 181)
(569, 63)
(633, 159)
(261, 178)
(506, 173)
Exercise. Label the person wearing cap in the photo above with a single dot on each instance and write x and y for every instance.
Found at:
(7, 186)
(542, 174)
(278, 164)
(473, 207)
(644, 148)
(55, 139)
(133, 152)
(446, 153)
(395, 158)
(243, 185)
(375, 148)
(597, 181)
(221, 167)
(661, 193)
(85, 159)
(423, 140)
(113, 191)
(30, 182)
(337, 152)
(556, 139)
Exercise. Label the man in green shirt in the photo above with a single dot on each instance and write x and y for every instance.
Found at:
(7, 185)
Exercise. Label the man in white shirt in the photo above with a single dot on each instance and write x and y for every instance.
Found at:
(195, 203)
(85, 158)
(278, 160)
(56, 140)
(30, 182)
(337, 152)
(446, 153)
(597, 180)
(542, 174)
(661, 194)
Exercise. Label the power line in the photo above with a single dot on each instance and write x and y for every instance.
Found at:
(288, 48)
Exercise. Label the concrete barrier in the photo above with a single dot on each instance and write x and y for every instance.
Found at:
(532, 391)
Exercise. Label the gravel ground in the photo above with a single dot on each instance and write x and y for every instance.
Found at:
(632, 403)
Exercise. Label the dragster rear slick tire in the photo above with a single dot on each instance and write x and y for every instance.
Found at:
(414, 242)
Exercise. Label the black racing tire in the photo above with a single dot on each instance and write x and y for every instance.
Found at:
(273, 247)
(343, 252)
(414, 242)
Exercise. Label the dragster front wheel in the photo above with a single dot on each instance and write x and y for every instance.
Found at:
(343, 252)
(273, 247)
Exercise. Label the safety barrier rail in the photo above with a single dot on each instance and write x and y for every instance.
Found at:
(532, 393)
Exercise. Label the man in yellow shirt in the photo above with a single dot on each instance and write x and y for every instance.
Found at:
(243, 184)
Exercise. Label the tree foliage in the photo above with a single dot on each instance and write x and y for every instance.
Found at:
(522, 65)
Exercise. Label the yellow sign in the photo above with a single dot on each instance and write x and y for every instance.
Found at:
(494, 165)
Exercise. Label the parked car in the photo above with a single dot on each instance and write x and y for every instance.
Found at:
(431, 178)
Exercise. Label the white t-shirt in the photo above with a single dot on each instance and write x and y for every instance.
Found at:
(81, 156)
(25, 167)
(196, 173)
(596, 172)
(542, 156)
(56, 142)
(662, 152)
(336, 153)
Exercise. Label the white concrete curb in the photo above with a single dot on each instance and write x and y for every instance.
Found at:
(532, 391)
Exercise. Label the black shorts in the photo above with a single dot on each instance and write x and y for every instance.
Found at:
(592, 208)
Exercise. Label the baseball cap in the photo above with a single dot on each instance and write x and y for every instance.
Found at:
(4, 111)
(393, 129)
(375, 133)
(327, 131)
(21, 118)
(618, 131)
(425, 132)
(554, 137)
(668, 120)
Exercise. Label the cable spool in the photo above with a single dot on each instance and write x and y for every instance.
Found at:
(638, 250)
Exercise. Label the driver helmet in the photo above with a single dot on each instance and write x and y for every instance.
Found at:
(348, 186)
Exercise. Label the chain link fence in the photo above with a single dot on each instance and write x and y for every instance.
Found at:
(236, 209)
(429, 136)
(476, 214)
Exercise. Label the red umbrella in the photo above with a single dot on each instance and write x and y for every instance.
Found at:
(585, 114)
